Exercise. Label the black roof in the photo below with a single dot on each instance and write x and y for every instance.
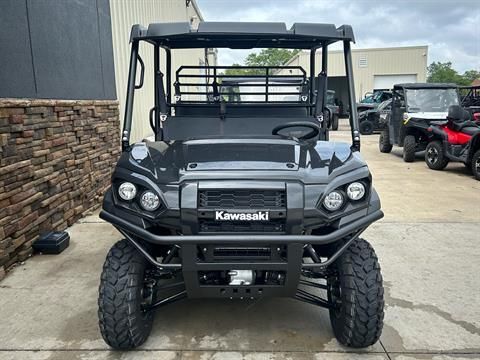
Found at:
(425, 86)
(241, 35)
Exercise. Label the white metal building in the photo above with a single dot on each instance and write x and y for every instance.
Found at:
(124, 14)
(378, 68)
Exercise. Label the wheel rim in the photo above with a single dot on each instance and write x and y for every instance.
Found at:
(432, 155)
(366, 128)
(477, 166)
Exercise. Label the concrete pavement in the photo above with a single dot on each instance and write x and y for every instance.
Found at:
(428, 246)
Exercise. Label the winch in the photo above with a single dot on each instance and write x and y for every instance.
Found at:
(241, 277)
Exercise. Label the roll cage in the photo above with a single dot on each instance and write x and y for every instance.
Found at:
(236, 35)
(470, 96)
(219, 85)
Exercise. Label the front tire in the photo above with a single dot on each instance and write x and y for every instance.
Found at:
(409, 148)
(366, 127)
(328, 119)
(435, 156)
(122, 296)
(335, 122)
(384, 142)
(357, 290)
(476, 165)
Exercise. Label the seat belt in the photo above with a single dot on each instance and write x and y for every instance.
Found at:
(162, 100)
(320, 96)
(216, 94)
(178, 93)
(305, 91)
(161, 107)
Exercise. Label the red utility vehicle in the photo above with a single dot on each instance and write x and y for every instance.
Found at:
(455, 139)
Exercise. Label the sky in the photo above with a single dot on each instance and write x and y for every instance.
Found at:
(450, 28)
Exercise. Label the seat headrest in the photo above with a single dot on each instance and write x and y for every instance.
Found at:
(455, 112)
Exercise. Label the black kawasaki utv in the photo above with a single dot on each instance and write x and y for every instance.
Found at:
(241, 199)
(414, 106)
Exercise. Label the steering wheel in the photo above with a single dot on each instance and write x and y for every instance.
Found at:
(311, 134)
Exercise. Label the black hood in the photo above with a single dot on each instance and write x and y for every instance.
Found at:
(263, 158)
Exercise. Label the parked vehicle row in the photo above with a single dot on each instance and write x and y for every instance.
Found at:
(430, 118)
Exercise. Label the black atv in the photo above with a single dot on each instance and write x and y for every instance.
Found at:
(373, 120)
(455, 139)
(372, 100)
(414, 107)
(240, 199)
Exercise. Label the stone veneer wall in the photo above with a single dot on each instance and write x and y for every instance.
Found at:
(56, 159)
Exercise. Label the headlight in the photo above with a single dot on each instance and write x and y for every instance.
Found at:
(333, 201)
(355, 191)
(127, 191)
(150, 201)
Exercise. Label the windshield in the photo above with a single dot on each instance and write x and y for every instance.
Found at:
(368, 99)
(376, 97)
(430, 100)
(386, 105)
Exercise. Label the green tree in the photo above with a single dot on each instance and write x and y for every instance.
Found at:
(270, 57)
(266, 57)
(439, 72)
(471, 75)
(240, 71)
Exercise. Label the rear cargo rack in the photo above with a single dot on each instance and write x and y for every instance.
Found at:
(263, 83)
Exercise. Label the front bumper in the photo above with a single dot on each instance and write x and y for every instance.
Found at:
(336, 235)
(193, 268)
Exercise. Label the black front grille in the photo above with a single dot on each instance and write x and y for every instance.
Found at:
(229, 252)
(242, 199)
(275, 226)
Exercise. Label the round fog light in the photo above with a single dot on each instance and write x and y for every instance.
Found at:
(150, 201)
(333, 201)
(127, 191)
(355, 191)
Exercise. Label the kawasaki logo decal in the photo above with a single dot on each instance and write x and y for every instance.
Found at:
(233, 216)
